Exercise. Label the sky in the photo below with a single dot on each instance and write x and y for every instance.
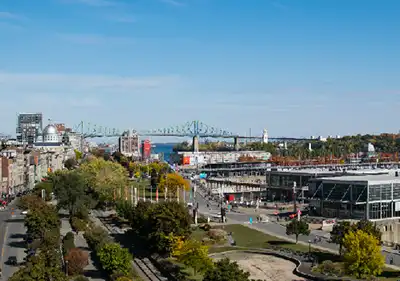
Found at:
(298, 68)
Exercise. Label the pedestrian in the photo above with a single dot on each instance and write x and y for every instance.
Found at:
(391, 260)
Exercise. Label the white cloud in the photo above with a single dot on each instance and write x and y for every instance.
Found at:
(94, 39)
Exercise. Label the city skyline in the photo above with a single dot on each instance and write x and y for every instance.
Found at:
(297, 68)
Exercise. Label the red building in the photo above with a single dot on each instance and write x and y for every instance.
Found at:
(146, 149)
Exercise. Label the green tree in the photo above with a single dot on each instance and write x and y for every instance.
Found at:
(28, 202)
(47, 186)
(37, 268)
(368, 227)
(153, 223)
(40, 220)
(363, 257)
(296, 227)
(70, 163)
(338, 232)
(107, 178)
(115, 259)
(225, 270)
(72, 194)
(78, 154)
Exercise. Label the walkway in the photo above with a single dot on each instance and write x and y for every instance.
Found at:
(90, 271)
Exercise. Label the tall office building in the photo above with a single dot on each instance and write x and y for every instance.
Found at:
(29, 126)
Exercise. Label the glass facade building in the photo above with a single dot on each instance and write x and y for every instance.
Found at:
(372, 197)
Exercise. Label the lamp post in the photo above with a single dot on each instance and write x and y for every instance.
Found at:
(309, 249)
(66, 268)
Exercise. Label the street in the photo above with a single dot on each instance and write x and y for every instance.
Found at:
(12, 231)
(277, 229)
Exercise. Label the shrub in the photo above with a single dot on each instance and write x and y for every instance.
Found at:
(206, 227)
(96, 237)
(78, 224)
(202, 219)
(81, 278)
(330, 268)
(217, 234)
(115, 259)
(68, 242)
(77, 261)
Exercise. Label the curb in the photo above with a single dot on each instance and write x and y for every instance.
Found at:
(296, 271)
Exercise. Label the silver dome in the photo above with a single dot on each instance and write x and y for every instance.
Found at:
(50, 130)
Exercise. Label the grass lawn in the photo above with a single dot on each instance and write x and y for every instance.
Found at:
(246, 237)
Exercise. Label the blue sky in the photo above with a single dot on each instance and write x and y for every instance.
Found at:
(296, 67)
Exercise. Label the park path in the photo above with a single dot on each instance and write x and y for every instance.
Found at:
(90, 271)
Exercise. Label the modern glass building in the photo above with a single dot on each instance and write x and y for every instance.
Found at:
(29, 127)
(372, 197)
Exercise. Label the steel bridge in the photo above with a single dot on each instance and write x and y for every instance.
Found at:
(189, 129)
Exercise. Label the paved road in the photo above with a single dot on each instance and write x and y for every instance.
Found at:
(12, 232)
(279, 230)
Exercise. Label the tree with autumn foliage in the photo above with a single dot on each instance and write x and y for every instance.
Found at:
(107, 178)
(173, 183)
(192, 253)
(77, 261)
(363, 257)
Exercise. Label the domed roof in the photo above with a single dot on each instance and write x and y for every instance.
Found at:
(50, 130)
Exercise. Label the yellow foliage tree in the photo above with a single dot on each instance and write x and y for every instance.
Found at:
(192, 253)
(106, 177)
(176, 243)
(363, 256)
(173, 182)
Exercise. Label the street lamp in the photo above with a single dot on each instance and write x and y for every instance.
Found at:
(309, 248)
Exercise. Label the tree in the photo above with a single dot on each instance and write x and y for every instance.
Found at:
(153, 223)
(105, 177)
(368, 227)
(115, 259)
(40, 220)
(77, 261)
(192, 253)
(297, 228)
(363, 256)
(173, 182)
(38, 269)
(338, 232)
(225, 270)
(72, 194)
(47, 186)
(78, 154)
(70, 163)
(28, 202)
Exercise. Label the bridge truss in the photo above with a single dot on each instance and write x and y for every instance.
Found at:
(189, 129)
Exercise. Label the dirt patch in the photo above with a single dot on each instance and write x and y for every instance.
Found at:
(263, 267)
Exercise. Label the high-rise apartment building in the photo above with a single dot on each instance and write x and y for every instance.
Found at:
(29, 126)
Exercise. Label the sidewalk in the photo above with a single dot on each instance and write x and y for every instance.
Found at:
(90, 271)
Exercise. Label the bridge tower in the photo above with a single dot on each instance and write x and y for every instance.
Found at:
(236, 143)
(265, 136)
(195, 144)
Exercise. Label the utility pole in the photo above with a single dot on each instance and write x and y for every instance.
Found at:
(294, 196)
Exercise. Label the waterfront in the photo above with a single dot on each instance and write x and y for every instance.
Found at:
(165, 148)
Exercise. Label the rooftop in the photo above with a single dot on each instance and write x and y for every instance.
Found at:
(371, 179)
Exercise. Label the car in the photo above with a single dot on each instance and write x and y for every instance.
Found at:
(24, 212)
(12, 260)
